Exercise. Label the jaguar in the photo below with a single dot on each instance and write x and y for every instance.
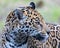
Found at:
(23, 24)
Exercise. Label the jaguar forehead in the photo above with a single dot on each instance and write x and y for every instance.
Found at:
(18, 13)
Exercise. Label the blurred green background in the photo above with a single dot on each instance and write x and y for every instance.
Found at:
(50, 10)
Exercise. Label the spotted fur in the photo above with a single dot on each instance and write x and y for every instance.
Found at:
(53, 40)
(21, 24)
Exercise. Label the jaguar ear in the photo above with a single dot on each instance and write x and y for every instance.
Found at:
(18, 13)
(32, 4)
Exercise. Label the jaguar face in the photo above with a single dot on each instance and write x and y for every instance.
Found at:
(31, 23)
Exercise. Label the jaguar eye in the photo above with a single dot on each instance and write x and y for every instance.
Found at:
(40, 26)
(37, 23)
